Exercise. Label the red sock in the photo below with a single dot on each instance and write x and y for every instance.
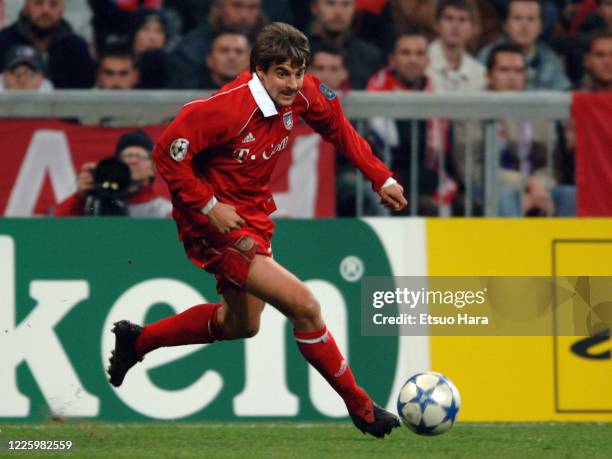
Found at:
(196, 325)
(321, 351)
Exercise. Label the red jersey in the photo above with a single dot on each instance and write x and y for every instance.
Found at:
(226, 147)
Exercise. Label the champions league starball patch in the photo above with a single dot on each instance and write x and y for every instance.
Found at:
(288, 120)
(327, 92)
(178, 149)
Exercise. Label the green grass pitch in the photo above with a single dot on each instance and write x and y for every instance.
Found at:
(267, 439)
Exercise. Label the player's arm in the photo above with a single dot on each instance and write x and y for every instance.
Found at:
(191, 133)
(325, 115)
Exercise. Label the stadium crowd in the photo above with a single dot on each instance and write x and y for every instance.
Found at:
(372, 45)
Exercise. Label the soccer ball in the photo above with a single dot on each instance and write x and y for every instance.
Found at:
(428, 403)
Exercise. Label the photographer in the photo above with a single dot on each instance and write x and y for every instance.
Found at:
(133, 149)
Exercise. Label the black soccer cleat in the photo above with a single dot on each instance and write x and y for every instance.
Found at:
(124, 356)
(384, 422)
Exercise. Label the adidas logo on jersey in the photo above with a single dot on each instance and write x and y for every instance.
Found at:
(249, 138)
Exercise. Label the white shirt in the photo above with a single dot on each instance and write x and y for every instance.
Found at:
(470, 76)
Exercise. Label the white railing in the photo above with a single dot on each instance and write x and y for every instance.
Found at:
(145, 107)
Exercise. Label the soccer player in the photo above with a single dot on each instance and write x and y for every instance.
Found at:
(217, 157)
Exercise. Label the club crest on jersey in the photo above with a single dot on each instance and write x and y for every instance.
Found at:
(288, 120)
(327, 92)
(178, 149)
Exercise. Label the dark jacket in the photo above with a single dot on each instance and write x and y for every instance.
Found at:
(363, 59)
(206, 82)
(156, 68)
(189, 56)
(69, 64)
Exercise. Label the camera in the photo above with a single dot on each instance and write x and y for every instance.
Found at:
(111, 187)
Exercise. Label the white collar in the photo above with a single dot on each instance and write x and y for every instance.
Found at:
(261, 96)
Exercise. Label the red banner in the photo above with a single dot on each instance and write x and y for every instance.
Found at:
(304, 181)
(41, 159)
(592, 116)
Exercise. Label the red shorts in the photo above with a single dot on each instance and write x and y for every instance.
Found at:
(229, 257)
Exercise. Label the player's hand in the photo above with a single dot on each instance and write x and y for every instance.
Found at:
(392, 197)
(225, 218)
(85, 180)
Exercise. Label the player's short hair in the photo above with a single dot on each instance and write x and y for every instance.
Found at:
(503, 48)
(277, 43)
(464, 5)
(598, 35)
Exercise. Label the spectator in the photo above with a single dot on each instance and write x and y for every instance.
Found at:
(76, 12)
(149, 39)
(506, 68)
(193, 13)
(134, 149)
(190, 13)
(245, 16)
(117, 69)
(572, 45)
(550, 12)
(328, 64)
(374, 22)
(451, 67)
(407, 65)
(228, 57)
(112, 19)
(407, 72)
(41, 26)
(598, 63)
(522, 26)
(415, 14)
(332, 20)
(149, 31)
(24, 70)
(525, 188)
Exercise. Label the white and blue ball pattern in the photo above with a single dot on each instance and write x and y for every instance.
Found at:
(428, 403)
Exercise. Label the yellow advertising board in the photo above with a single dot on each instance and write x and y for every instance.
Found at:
(542, 378)
(586, 359)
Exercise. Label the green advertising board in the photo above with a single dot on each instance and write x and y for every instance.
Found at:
(64, 282)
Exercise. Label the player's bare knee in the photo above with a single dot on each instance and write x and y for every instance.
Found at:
(308, 311)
